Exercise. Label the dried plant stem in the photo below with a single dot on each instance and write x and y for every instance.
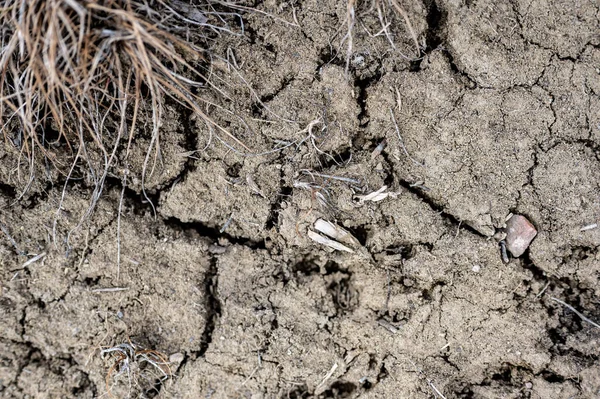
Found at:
(124, 184)
(380, 6)
(581, 316)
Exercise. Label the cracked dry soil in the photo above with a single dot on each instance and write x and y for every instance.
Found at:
(501, 115)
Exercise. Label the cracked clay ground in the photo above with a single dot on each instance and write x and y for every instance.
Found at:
(502, 115)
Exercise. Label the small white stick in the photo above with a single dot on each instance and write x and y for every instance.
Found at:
(402, 141)
(543, 290)
(589, 227)
(328, 376)
(387, 325)
(438, 393)
(226, 224)
(576, 312)
(321, 239)
(340, 178)
(429, 381)
(33, 260)
(110, 289)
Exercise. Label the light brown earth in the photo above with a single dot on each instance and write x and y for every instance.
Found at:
(502, 115)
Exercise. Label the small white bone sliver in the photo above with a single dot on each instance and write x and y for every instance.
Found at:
(336, 232)
(375, 196)
(328, 242)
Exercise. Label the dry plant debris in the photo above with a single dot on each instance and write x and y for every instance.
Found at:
(376, 196)
(141, 370)
(333, 236)
(383, 7)
(80, 78)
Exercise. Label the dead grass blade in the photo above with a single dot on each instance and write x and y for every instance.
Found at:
(80, 77)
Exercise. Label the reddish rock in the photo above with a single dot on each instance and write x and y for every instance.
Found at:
(519, 234)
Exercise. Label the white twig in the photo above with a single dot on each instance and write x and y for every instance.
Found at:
(33, 260)
(253, 371)
(110, 289)
(328, 376)
(543, 290)
(226, 224)
(7, 234)
(437, 392)
(402, 141)
(429, 381)
(589, 227)
(340, 178)
(576, 312)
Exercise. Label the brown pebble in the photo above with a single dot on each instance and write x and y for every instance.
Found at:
(519, 234)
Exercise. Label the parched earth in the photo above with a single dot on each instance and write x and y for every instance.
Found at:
(500, 115)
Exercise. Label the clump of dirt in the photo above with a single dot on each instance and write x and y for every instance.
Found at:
(499, 116)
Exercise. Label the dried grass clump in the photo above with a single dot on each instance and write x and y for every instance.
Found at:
(388, 12)
(79, 77)
(135, 370)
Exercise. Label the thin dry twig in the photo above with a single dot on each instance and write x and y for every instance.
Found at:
(581, 316)
(330, 177)
(119, 225)
(591, 226)
(9, 237)
(429, 381)
(110, 289)
(401, 141)
(350, 21)
(543, 290)
(329, 375)
(33, 260)
(404, 15)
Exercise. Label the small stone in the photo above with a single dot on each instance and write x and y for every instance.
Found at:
(217, 249)
(476, 268)
(528, 385)
(176, 358)
(519, 234)
(500, 235)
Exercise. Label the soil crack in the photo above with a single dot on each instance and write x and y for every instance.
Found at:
(439, 209)
(213, 305)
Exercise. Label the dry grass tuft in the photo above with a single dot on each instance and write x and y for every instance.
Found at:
(79, 77)
(136, 370)
(386, 11)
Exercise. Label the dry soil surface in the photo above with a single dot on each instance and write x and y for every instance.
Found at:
(500, 115)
